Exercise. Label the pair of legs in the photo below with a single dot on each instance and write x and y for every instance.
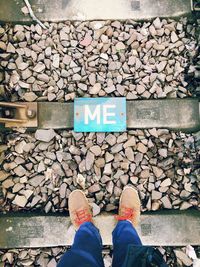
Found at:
(87, 247)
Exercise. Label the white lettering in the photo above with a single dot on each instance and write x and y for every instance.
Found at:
(92, 116)
(107, 114)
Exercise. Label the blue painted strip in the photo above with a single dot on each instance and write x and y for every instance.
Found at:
(104, 114)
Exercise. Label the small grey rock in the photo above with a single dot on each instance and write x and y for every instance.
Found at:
(89, 160)
(20, 171)
(45, 135)
(30, 97)
(40, 67)
(20, 201)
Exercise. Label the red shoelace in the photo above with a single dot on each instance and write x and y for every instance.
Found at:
(125, 214)
(82, 216)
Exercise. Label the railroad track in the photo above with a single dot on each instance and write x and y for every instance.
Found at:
(174, 114)
(152, 153)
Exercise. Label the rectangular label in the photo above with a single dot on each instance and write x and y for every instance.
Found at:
(104, 114)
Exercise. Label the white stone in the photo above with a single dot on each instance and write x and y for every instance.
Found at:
(95, 209)
(20, 201)
(39, 67)
(95, 89)
(30, 97)
(81, 180)
(45, 135)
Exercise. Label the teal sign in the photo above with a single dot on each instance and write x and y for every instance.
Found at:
(104, 114)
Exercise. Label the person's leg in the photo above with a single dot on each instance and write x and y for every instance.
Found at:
(86, 250)
(123, 235)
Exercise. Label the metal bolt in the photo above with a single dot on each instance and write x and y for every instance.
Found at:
(31, 113)
(7, 113)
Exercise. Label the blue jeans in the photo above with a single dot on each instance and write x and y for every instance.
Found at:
(87, 248)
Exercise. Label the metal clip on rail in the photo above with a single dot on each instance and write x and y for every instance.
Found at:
(18, 114)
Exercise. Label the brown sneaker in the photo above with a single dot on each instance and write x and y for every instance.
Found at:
(79, 208)
(129, 206)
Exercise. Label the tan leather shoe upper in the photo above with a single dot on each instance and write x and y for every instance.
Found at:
(129, 206)
(79, 208)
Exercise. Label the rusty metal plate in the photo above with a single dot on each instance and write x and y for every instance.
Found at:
(55, 115)
(174, 114)
(166, 228)
(62, 10)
